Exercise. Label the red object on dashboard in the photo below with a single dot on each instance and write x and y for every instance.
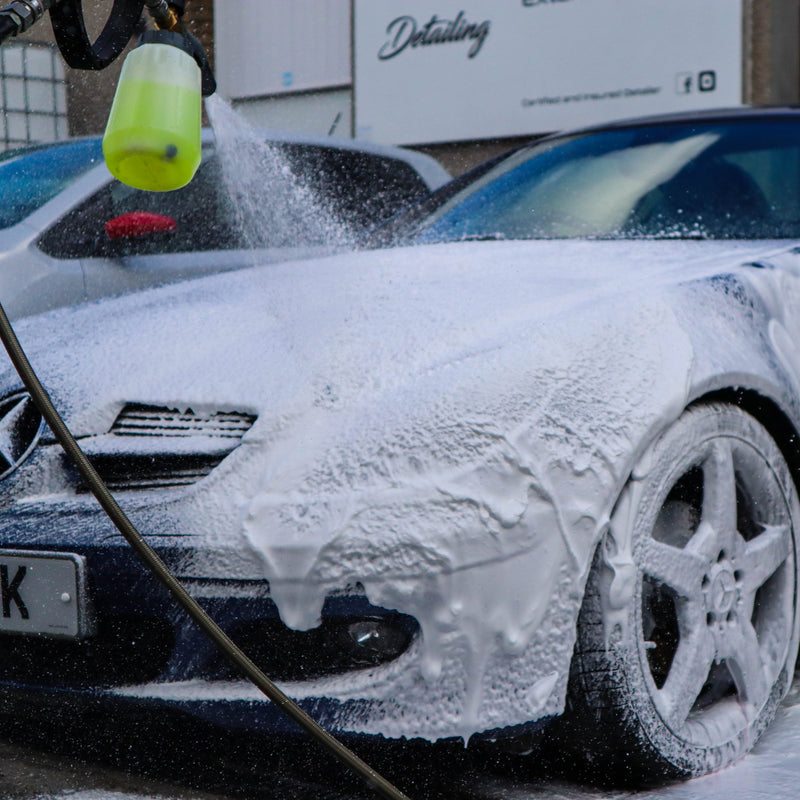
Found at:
(139, 223)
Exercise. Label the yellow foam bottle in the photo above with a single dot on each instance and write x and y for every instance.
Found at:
(152, 139)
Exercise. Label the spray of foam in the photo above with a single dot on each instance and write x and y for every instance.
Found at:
(269, 204)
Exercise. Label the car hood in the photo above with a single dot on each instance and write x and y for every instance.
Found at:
(440, 340)
(331, 332)
(382, 369)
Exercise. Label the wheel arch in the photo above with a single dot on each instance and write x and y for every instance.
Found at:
(767, 412)
(761, 407)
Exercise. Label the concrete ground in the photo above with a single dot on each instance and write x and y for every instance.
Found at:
(33, 771)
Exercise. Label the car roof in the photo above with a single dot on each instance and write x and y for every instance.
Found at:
(429, 169)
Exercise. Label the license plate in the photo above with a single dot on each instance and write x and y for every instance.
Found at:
(43, 593)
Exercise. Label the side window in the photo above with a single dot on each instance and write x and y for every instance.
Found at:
(30, 177)
(199, 210)
(776, 171)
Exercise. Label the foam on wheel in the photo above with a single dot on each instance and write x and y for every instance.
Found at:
(688, 634)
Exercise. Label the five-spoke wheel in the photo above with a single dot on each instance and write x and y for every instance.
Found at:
(688, 634)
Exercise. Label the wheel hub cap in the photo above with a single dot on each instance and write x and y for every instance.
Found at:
(721, 595)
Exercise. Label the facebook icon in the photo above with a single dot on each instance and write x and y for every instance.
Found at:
(684, 82)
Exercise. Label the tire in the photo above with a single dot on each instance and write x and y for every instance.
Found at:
(685, 650)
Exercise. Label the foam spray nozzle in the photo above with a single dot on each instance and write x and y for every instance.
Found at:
(152, 139)
(166, 17)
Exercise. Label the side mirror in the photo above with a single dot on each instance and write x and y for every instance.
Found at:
(139, 223)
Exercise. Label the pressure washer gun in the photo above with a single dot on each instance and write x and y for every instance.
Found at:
(152, 139)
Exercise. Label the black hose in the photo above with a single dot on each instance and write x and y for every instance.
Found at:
(159, 569)
(72, 38)
(8, 28)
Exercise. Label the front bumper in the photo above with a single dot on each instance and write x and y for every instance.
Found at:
(484, 614)
(146, 653)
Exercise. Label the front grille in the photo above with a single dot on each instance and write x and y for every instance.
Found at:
(126, 473)
(155, 447)
(142, 420)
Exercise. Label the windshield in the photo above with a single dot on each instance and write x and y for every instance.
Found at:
(29, 177)
(719, 180)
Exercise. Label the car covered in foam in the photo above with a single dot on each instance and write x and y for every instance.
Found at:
(488, 479)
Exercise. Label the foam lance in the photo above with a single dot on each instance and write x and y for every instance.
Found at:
(152, 138)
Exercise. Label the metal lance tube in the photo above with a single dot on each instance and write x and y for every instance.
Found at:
(20, 15)
(164, 15)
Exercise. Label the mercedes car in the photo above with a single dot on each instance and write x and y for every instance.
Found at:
(524, 464)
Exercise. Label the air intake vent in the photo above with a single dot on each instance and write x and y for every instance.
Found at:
(140, 420)
(126, 472)
(150, 447)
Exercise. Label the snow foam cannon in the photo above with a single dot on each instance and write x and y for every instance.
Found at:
(152, 139)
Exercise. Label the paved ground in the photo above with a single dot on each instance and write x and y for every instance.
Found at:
(174, 771)
(28, 773)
